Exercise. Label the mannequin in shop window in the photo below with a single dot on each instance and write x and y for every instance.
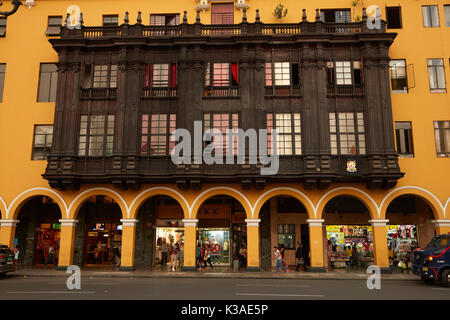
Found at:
(164, 251)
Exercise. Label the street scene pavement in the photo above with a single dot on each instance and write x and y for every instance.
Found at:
(140, 285)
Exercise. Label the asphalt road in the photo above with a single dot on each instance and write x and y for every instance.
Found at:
(123, 288)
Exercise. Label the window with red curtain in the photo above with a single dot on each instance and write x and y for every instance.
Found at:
(234, 73)
(222, 13)
(148, 76)
(157, 75)
(173, 75)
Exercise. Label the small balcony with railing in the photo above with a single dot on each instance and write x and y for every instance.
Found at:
(98, 94)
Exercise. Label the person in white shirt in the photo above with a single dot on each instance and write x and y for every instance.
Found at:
(279, 261)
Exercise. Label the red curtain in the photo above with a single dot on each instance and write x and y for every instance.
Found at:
(148, 76)
(234, 72)
(173, 75)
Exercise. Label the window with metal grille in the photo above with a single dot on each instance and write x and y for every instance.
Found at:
(347, 135)
(105, 76)
(399, 81)
(42, 142)
(110, 20)
(335, 15)
(156, 134)
(222, 13)
(54, 26)
(436, 75)
(289, 138)
(2, 26)
(96, 135)
(286, 235)
(48, 81)
(404, 139)
(430, 16)
(2, 79)
(222, 122)
(442, 138)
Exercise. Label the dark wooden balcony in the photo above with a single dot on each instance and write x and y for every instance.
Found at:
(282, 91)
(345, 90)
(160, 92)
(99, 94)
(220, 92)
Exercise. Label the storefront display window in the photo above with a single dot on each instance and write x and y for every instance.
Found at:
(47, 234)
(101, 241)
(218, 240)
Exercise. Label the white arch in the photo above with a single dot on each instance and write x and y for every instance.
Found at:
(4, 206)
(284, 188)
(8, 209)
(445, 207)
(159, 188)
(99, 189)
(220, 188)
(347, 188)
(417, 188)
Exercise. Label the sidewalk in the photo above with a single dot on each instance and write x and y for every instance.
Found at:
(146, 273)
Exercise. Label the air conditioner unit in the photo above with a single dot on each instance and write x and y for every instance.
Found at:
(30, 3)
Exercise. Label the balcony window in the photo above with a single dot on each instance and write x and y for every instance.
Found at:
(404, 139)
(335, 15)
(156, 134)
(289, 138)
(2, 79)
(224, 78)
(222, 13)
(347, 136)
(394, 17)
(399, 81)
(222, 122)
(164, 19)
(110, 20)
(48, 81)
(96, 135)
(2, 26)
(282, 78)
(54, 26)
(42, 142)
(160, 80)
(442, 138)
(344, 73)
(436, 76)
(430, 16)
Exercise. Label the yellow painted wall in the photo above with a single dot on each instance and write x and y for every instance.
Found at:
(26, 46)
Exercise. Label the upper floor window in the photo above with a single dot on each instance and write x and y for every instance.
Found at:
(394, 17)
(48, 81)
(430, 16)
(111, 20)
(347, 135)
(54, 26)
(335, 15)
(404, 139)
(344, 73)
(442, 138)
(2, 79)
(96, 135)
(42, 142)
(289, 133)
(102, 76)
(399, 81)
(160, 75)
(286, 235)
(2, 26)
(222, 122)
(282, 74)
(436, 75)
(164, 19)
(447, 15)
(156, 134)
(223, 74)
(222, 13)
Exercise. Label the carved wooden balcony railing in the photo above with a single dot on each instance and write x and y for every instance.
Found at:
(160, 92)
(219, 92)
(346, 90)
(99, 94)
(282, 91)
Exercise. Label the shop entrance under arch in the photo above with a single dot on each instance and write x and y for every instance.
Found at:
(283, 222)
(222, 228)
(98, 234)
(39, 229)
(410, 226)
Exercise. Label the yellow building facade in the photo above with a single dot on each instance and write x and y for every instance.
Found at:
(427, 176)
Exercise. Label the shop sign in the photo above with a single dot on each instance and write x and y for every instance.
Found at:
(214, 211)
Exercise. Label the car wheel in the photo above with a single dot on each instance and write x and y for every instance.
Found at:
(445, 277)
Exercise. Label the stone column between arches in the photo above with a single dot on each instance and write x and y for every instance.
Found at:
(316, 244)
(128, 244)
(190, 243)
(67, 243)
(381, 255)
(441, 226)
(253, 259)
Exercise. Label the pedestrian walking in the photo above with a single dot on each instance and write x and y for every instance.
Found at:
(202, 256)
(299, 256)
(329, 250)
(279, 261)
(16, 254)
(243, 255)
(51, 256)
(282, 252)
(117, 254)
(197, 256)
(207, 257)
(174, 256)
